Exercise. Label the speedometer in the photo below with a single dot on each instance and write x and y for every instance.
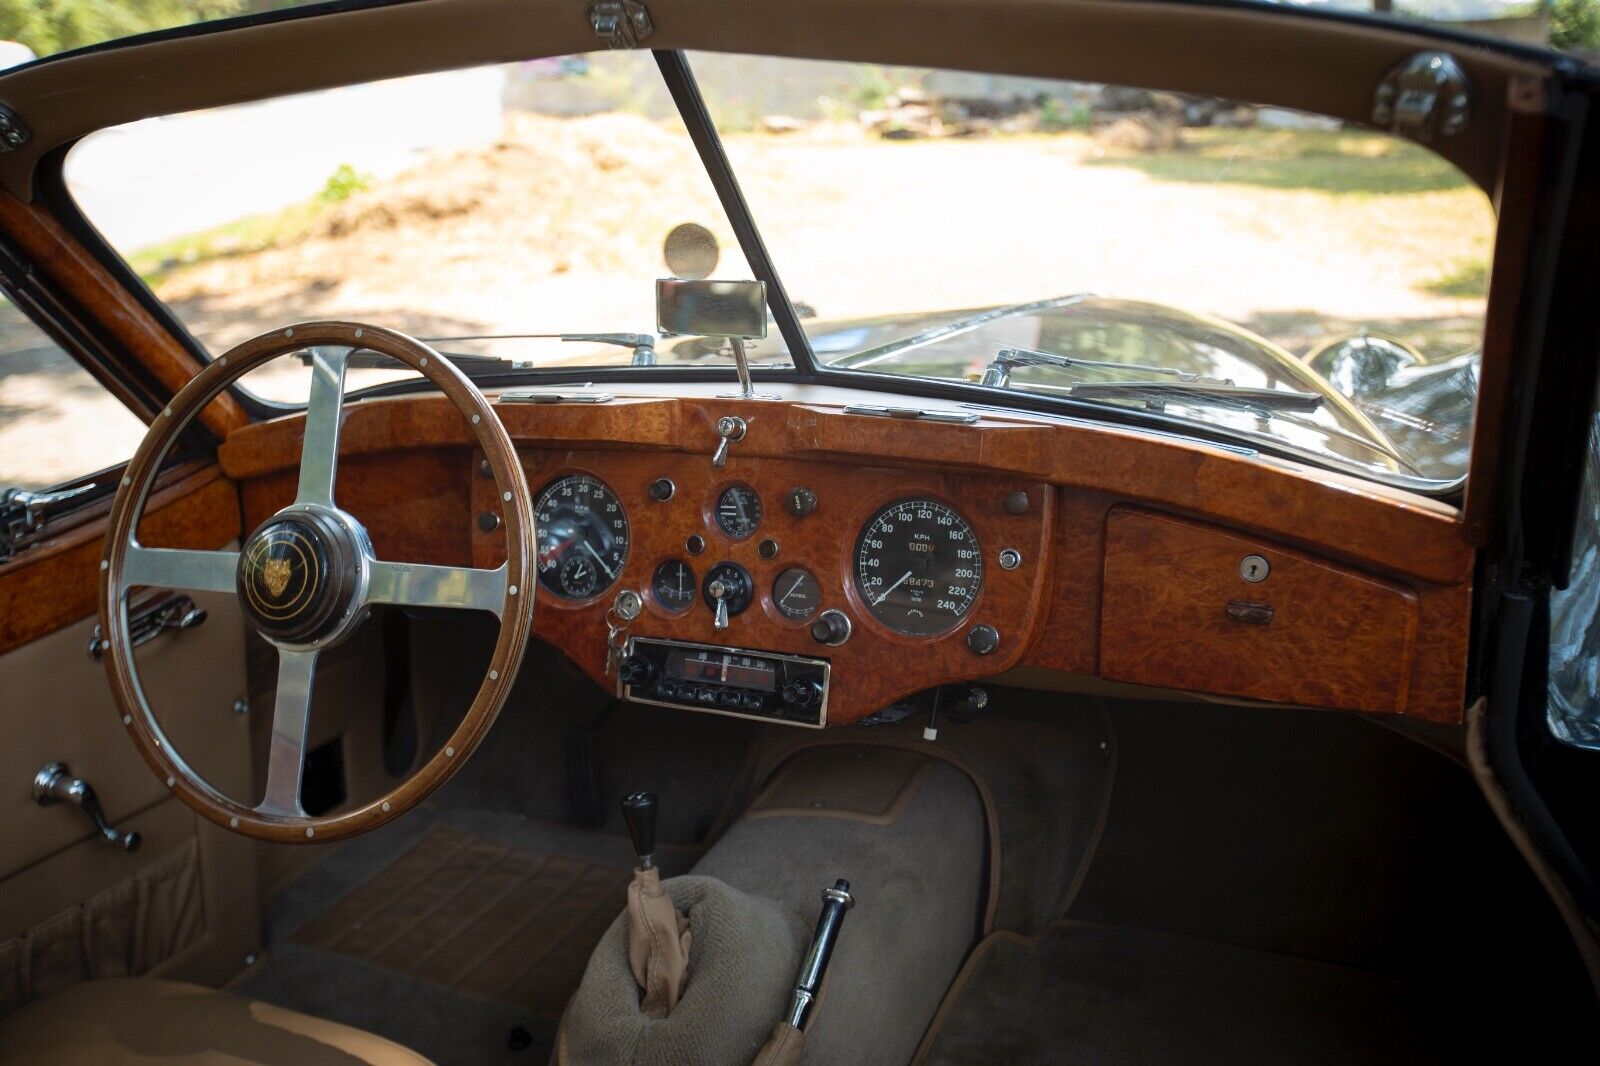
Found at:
(583, 536)
(918, 567)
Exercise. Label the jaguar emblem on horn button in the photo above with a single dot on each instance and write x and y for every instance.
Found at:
(297, 574)
(275, 575)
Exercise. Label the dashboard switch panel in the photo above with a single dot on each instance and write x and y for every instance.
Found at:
(768, 686)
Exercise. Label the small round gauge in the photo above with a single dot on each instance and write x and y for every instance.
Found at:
(918, 567)
(738, 511)
(674, 585)
(796, 593)
(583, 536)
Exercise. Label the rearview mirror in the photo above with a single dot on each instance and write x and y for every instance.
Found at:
(711, 308)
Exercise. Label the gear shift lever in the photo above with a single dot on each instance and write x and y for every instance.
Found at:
(639, 812)
(658, 936)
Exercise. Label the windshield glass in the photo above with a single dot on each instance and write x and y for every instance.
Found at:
(472, 208)
(930, 222)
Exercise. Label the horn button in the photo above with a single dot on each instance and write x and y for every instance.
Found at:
(297, 577)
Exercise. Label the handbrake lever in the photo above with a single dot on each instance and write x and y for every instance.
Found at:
(835, 901)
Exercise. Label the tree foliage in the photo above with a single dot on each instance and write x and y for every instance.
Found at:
(1575, 25)
(48, 26)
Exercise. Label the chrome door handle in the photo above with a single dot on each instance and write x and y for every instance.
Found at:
(153, 619)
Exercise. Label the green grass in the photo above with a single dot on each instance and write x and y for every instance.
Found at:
(1332, 161)
(241, 237)
(247, 235)
(1469, 278)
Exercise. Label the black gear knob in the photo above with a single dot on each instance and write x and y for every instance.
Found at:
(639, 812)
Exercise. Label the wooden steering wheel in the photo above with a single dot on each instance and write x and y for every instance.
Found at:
(308, 577)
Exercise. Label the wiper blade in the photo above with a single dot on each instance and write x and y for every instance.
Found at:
(1182, 385)
(367, 359)
(1157, 394)
(643, 344)
(998, 373)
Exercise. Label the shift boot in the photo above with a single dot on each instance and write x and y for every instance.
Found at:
(658, 943)
(658, 936)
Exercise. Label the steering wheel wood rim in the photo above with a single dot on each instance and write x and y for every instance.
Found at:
(507, 591)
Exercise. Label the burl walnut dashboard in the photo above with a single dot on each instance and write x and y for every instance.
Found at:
(873, 558)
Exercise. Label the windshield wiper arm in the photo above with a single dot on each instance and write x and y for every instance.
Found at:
(643, 344)
(1006, 360)
(1157, 394)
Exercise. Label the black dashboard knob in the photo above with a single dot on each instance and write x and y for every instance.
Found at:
(802, 692)
(662, 489)
(983, 640)
(831, 627)
(800, 501)
(637, 671)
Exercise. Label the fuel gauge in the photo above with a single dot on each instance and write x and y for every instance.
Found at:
(796, 594)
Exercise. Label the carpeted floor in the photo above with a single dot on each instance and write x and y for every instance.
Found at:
(1092, 994)
(448, 932)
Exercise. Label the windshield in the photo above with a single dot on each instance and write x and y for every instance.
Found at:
(491, 211)
(929, 221)
(1283, 278)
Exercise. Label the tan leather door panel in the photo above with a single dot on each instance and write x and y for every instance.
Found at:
(58, 707)
(72, 906)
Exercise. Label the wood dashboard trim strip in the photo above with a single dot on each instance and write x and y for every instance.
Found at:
(1343, 517)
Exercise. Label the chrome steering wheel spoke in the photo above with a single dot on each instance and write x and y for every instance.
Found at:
(179, 568)
(291, 722)
(319, 450)
(421, 585)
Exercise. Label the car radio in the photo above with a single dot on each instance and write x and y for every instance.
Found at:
(766, 685)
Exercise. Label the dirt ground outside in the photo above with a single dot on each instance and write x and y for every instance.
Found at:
(556, 227)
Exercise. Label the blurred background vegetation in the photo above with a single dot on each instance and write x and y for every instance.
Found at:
(49, 26)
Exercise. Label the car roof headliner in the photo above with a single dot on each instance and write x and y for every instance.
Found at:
(1251, 52)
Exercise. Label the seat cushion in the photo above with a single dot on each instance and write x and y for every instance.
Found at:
(142, 1020)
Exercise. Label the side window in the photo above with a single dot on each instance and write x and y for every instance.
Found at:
(1574, 674)
(57, 423)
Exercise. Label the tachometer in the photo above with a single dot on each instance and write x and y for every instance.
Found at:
(918, 567)
(583, 537)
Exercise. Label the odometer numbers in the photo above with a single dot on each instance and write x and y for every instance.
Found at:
(919, 568)
(583, 537)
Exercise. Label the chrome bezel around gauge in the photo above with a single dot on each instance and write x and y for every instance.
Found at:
(870, 552)
(608, 561)
(737, 511)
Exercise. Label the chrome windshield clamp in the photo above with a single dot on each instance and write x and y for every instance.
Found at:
(620, 23)
(13, 132)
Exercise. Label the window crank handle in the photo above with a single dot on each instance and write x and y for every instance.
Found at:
(55, 784)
